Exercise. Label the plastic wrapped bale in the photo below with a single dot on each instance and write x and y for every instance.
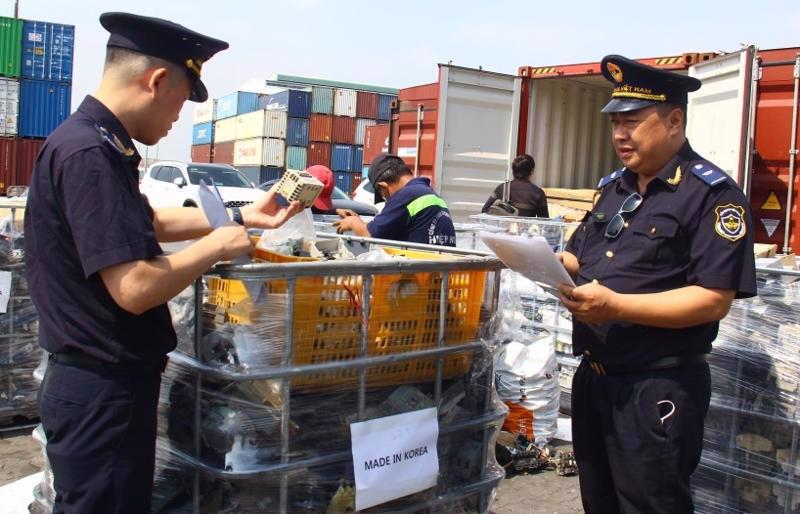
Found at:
(260, 420)
(750, 460)
(44, 496)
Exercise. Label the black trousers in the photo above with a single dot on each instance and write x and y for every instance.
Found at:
(101, 433)
(638, 438)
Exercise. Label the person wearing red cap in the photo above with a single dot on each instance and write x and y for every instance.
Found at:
(324, 202)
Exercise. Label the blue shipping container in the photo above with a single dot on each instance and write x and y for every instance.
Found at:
(297, 104)
(260, 174)
(385, 107)
(296, 157)
(343, 180)
(364, 171)
(341, 158)
(358, 158)
(47, 50)
(43, 105)
(202, 132)
(235, 104)
(297, 132)
(322, 100)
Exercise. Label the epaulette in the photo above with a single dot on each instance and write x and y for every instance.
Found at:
(114, 141)
(609, 178)
(709, 173)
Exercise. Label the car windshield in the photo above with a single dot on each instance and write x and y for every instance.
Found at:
(223, 177)
(338, 194)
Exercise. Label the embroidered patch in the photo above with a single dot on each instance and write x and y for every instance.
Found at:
(730, 222)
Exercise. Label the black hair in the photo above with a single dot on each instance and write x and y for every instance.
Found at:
(666, 108)
(522, 166)
(396, 170)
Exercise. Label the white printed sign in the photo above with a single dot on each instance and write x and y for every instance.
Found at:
(5, 290)
(407, 152)
(770, 225)
(394, 456)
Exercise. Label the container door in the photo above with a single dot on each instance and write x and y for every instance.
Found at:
(476, 137)
(719, 113)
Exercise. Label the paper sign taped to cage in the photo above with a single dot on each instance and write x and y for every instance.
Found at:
(394, 456)
(5, 290)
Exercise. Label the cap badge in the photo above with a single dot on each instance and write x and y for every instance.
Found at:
(615, 71)
(196, 65)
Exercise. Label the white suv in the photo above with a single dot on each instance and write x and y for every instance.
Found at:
(175, 184)
(366, 193)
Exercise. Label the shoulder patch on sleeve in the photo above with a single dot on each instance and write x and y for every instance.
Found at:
(730, 222)
(708, 173)
(609, 178)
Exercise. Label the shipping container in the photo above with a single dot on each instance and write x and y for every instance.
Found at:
(297, 132)
(261, 123)
(385, 107)
(356, 181)
(225, 130)
(204, 111)
(343, 180)
(222, 153)
(320, 128)
(376, 142)
(344, 102)
(322, 100)
(358, 158)
(260, 174)
(10, 46)
(296, 158)
(413, 132)
(17, 159)
(202, 153)
(43, 105)
(319, 153)
(236, 103)
(361, 129)
(367, 105)
(344, 130)
(202, 133)
(341, 158)
(9, 102)
(47, 51)
(297, 104)
(259, 152)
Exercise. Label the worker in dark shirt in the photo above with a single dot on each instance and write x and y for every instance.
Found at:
(527, 198)
(657, 263)
(96, 271)
(413, 212)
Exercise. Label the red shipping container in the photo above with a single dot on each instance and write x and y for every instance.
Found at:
(320, 128)
(223, 153)
(202, 153)
(344, 130)
(376, 141)
(367, 105)
(357, 178)
(319, 153)
(27, 152)
(8, 162)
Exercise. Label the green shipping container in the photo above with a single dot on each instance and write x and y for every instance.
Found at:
(296, 158)
(10, 46)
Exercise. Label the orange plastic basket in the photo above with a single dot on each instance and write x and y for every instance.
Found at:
(404, 317)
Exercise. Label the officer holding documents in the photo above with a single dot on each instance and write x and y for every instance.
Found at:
(96, 271)
(657, 263)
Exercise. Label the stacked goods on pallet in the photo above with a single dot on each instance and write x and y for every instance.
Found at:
(751, 447)
(248, 423)
(36, 60)
(317, 117)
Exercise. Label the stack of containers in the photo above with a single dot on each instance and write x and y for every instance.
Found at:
(300, 126)
(35, 89)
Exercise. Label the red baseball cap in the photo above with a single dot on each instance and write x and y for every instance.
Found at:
(324, 175)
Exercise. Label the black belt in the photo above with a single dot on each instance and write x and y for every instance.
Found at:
(664, 363)
(82, 360)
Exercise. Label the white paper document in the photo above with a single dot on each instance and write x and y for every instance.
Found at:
(531, 257)
(5, 290)
(394, 456)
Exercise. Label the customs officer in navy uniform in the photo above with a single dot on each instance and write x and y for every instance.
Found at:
(97, 274)
(657, 263)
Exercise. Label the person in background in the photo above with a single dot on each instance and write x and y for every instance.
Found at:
(657, 263)
(413, 212)
(324, 202)
(96, 271)
(528, 199)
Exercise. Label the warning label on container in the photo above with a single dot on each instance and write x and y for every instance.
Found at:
(770, 225)
(772, 203)
(407, 152)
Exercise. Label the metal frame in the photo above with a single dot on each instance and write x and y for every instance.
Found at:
(486, 423)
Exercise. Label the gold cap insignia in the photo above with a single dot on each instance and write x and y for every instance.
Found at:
(615, 71)
(196, 65)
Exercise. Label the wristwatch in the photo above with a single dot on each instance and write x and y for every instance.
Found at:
(236, 215)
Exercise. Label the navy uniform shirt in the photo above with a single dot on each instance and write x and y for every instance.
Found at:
(693, 228)
(85, 214)
(415, 214)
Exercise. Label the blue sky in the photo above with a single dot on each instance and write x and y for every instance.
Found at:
(399, 43)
